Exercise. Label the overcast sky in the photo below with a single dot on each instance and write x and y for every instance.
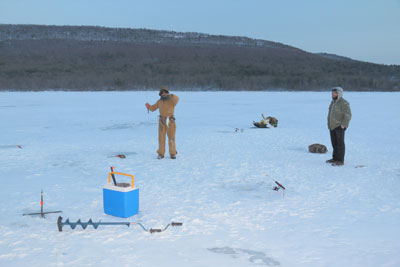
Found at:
(367, 30)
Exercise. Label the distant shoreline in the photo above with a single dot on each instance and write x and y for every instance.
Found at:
(37, 57)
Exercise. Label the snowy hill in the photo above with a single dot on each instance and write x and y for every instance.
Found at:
(128, 35)
(39, 57)
(219, 187)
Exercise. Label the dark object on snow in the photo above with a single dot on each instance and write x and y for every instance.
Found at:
(266, 121)
(281, 186)
(95, 225)
(317, 148)
(338, 163)
(41, 213)
(260, 125)
(122, 156)
(271, 120)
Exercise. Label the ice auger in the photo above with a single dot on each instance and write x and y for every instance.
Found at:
(95, 225)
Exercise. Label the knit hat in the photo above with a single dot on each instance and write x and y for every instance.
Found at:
(163, 89)
(339, 91)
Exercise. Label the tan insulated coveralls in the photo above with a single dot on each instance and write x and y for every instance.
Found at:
(166, 123)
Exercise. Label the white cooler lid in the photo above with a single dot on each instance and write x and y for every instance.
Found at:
(118, 188)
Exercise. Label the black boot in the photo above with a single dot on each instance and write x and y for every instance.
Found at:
(338, 163)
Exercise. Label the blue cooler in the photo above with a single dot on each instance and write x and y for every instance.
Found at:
(121, 200)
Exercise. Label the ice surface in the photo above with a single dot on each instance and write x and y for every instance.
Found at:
(220, 185)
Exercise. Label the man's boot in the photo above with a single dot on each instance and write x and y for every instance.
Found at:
(330, 161)
(160, 156)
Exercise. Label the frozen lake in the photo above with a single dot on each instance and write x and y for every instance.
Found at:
(219, 187)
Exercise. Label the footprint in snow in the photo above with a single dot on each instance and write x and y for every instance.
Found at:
(253, 256)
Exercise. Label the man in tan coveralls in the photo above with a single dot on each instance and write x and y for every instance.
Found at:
(166, 124)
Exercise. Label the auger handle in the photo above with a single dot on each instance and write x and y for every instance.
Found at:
(120, 173)
(154, 230)
(176, 224)
(59, 223)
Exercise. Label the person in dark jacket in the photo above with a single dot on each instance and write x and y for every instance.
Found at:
(339, 117)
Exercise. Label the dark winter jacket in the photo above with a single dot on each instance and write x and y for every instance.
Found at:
(339, 112)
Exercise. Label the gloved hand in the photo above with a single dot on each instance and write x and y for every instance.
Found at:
(148, 106)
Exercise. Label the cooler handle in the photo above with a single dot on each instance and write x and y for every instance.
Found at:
(120, 173)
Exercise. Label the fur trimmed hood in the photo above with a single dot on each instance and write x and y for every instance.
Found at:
(339, 91)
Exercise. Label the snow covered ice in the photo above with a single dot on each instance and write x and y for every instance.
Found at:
(219, 187)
